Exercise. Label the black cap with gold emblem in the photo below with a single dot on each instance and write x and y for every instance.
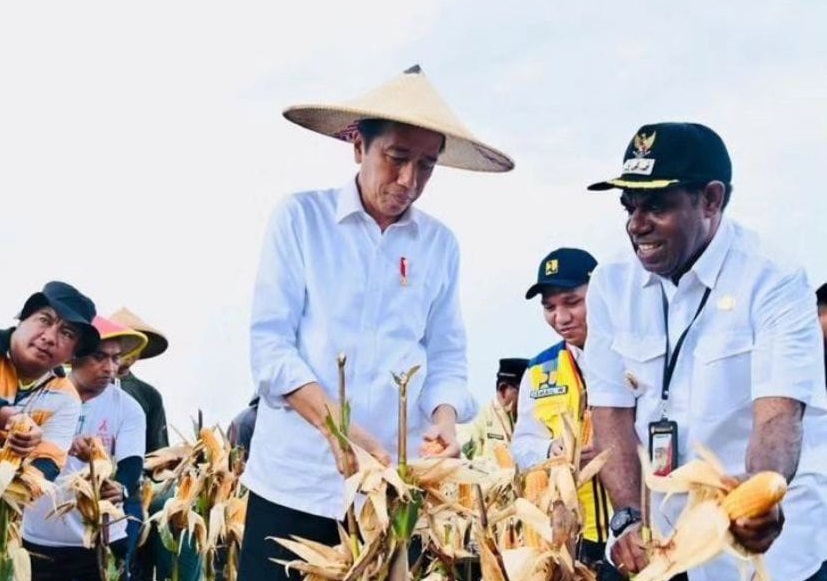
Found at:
(565, 268)
(664, 155)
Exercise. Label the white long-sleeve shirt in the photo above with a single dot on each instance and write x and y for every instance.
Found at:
(330, 282)
(758, 336)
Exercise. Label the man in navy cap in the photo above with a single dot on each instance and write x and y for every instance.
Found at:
(495, 423)
(554, 386)
(55, 326)
(699, 338)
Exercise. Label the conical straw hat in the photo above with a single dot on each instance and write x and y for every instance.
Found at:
(132, 340)
(411, 99)
(156, 342)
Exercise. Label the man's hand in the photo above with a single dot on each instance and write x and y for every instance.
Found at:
(81, 448)
(23, 443)
(443, 432)
(311, 402)
(440, 438)
(346, 463)
(587, 454)
(112, 490)
(629, 551)
(757, 534)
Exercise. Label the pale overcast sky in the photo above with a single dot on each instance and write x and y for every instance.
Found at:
(142, 146)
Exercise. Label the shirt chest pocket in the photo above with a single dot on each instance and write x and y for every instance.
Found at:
(722, 376)
(643, 361)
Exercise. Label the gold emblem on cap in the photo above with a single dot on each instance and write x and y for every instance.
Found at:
(552, 266)
(643, 143)
(726, 303)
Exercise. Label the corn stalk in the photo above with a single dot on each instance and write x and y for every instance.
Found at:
(209, 505)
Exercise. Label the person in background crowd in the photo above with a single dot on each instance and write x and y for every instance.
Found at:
(495, 424)
(150, 398)
(356, 270)
(241, 428)
(56, 543)
(700, 338)
(55, 326)
(554, 387)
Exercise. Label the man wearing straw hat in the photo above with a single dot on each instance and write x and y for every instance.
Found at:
(57, 543)
(150, 398)
(55, 325)
(150, 556)
(356, 270)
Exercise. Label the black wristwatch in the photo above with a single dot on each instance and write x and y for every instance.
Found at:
(622, 518)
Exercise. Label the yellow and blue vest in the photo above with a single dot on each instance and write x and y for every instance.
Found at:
(557, 386)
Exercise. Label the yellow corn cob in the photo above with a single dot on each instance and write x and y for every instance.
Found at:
(536, 483)
(9, 459)
(431, 448)
(503, 456)
(755, 496)
(586, 429)
(466, 495)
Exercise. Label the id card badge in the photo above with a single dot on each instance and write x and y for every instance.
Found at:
(663, 446)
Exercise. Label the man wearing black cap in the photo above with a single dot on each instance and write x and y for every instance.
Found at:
(495, 423)
(55, 325)
(554, 387)
(700, 339)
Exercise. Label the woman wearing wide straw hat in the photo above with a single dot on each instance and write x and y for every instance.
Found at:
(356, 270)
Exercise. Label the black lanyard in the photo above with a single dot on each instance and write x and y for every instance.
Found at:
(669, 368)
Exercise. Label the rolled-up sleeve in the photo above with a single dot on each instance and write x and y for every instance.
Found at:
(278, 303)
(445, 348)
(603, 366)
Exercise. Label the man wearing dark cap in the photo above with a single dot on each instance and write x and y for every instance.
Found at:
(699, 338)
(553, 387)
(495, 423)
(55, 326)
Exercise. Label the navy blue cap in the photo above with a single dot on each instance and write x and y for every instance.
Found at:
(821, 295)
(72, 306)
(666, 155)
(565, 268)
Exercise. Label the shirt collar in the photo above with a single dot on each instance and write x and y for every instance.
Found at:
(349, 203)
(709, 264)
(575, 351)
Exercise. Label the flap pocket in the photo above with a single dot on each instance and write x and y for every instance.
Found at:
(714, 347)
(640, 348)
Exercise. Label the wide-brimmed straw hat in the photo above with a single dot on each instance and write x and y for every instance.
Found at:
(132, 341)
(410, 99)
(156, 342)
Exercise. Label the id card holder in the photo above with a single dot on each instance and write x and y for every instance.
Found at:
(663, 446)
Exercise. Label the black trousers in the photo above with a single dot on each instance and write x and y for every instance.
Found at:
(266, 519)
(68, 563)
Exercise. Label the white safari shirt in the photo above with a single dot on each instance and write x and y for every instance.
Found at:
(330, 282)
(119, 421)
(758, 336)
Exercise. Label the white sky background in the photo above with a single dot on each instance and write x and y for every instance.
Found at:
(142, 146)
